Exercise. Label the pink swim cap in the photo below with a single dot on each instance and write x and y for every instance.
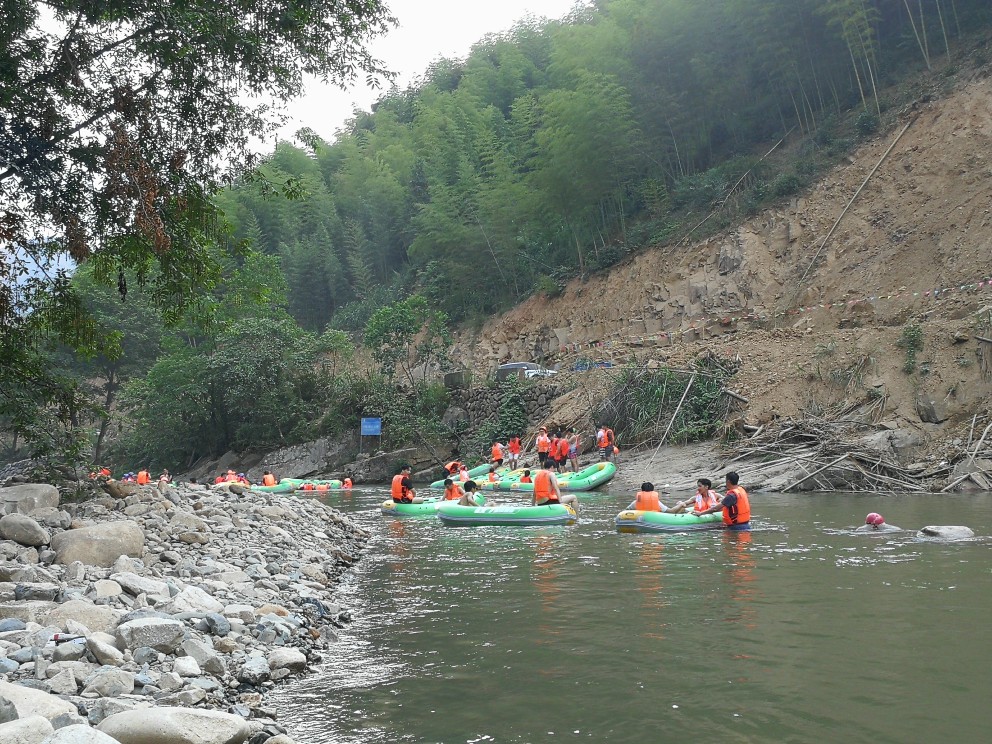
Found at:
(875, 518)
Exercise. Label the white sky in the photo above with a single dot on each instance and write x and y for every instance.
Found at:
(428, 30)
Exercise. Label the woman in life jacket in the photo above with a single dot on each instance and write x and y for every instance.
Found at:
(452, 491)
(268, 479)
(513, 446)
(543, 443)
(736, 505)
(525, 478)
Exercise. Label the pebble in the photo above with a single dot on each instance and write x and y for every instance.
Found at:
(208, 616)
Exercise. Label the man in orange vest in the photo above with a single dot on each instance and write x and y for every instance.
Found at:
(547, 492)
(268, 479)
(144, 477)
(736, 506)
(402, 488)
(513, 445)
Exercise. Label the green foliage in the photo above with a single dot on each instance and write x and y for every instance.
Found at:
(866, 124)
(910, 341)
(786, 184)
(118, 123)
(641, 404)
(408, 333)
(511, 420)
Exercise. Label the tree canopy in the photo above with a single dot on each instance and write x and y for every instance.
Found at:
(118, 122)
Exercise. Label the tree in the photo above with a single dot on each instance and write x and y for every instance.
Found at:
(118, 121)
(407, 333)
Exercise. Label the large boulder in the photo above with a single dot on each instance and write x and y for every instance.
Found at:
(175, 726)
(28, 611)
(31, 702)
(79, 733)
(946, 532)
(28, 497)
(99, 544)
(30, 730)
(191, 599)
(23, 530)
(97, 618)
(159, 633)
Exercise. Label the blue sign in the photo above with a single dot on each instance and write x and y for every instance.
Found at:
(371, 427)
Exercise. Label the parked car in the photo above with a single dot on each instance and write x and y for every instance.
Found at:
(522, 369)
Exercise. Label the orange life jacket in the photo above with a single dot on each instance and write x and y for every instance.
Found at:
(268, 480)
(739, 513)
(105, 471)
(219, 479)
(307, 487)
(453, 467)
(526, 479)
(398, 490)
(323, 487)
(453, 492)
(647, 501)
(602, 439)
(553, 448)
(563, 447)
(347, 483)
(543, 443)
(493, 477)
(711, 499)
(514, 445)
(542, 486)
(497, 452)
(144, 478)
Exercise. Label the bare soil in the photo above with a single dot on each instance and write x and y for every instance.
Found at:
(813, 325)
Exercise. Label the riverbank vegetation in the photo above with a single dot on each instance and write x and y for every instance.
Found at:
(553, 150)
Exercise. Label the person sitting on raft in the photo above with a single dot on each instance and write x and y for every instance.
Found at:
(493, 478)
(346, 483)
(451, 468)
(875, 522)
(705, 498)
(647, 499)
(525, 478)
(468, 495)
(547, 492)
(463, 474)
(402, 487)
(736, 506)
(452, 491)
(268, 479)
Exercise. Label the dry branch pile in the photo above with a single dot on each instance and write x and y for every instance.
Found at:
(839, 455)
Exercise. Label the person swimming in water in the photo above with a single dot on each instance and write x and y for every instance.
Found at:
(875, 522)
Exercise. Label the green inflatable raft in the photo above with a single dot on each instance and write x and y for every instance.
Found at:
(454, 515)
(281, 487)
(428, 508)
(631, 520)
(585, 480)
(477, 474)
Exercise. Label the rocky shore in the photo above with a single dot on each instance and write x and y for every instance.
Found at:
(161, 616)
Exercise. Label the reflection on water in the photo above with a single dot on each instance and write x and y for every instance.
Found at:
(798, 631)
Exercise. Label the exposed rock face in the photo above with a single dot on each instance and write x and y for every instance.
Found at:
(28, 497)
(99, 544)
(931, 411)
(175, 726)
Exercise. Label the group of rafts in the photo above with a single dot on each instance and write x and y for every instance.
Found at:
(454, 514)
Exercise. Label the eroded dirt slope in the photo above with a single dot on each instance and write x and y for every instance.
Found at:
(810, 333)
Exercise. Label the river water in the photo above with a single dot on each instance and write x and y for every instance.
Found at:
(800, 631)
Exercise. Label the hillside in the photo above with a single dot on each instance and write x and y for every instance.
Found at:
(809, 338)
